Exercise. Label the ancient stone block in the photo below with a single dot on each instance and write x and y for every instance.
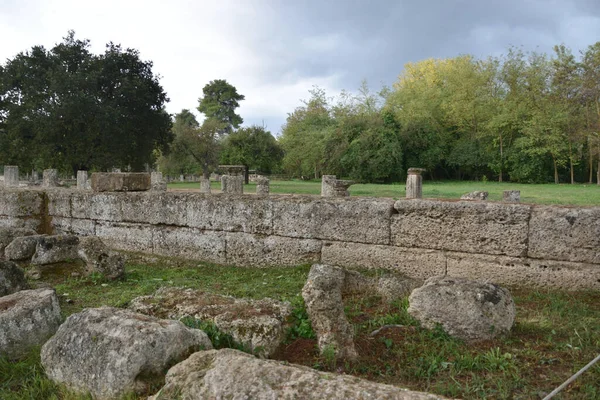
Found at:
(12, 278)
(204, 185)
(158, 184)
(98, 206)
(120, 181)
(99, 258)
(476, 195)
(50, 178)
(232, 184)
(74, 226)
(333, 187)
(8, 234)
(256, 250)
(22, 248)
(262, 186)
(20, 203)
(414, 183)
(125, 236)
(11, 175)
(487, 228)
(55, 249)
(190, 243)
(359, 220)
(59, 203)
(511, 196)
(561, 233)
(414, 263)
(82, 180)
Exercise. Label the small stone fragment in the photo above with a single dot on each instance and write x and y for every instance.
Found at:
(12, 278)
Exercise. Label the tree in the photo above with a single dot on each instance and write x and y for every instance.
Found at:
(591, 98)
(218, 103)
(69, 109)
(178, 160)
(254, 147)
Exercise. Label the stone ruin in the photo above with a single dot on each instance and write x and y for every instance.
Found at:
(414, 183)
(232, 182)
(332, 187)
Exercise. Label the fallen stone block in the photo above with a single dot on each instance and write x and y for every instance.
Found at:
(258, 324)
(231, 374)
(468, 310)
(99, 258)
(121, 181)
(109, 352)
(12, 278)
(7, 235)
(22, 248)
(476, 195)
(27, 319)
(55, 249)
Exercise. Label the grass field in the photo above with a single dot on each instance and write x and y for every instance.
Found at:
(565, 194)
(555, 334)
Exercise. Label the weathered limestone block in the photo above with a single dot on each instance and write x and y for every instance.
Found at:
(391, 287)
(158, 184)
(12, 279)
(22, 248)
(322, 295)
(11, 175)
(27, 319)
(55, 249)
(120, 181)
(98, 206)
(258, 324)
(99, 258)
(20, 203)
(469, 310)
(473, 227)
(476, 195)
(232, 184)
(50, 178)
(59, 203)
(262, 186)
(190, 243)
(256, 250)
(83, 182)
(352, 220)
(414, 183)
(511, 196)
(333, 187)
(8, 234)
(73, 226)
(414, 263)
(125, 236)
(204, 185)
(525, 272)
(560, 233)
(232, 374)
(109, 352)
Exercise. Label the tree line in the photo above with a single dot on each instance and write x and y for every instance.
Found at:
(525, 116)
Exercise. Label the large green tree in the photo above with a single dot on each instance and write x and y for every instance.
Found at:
(70, 109)
(219, 102)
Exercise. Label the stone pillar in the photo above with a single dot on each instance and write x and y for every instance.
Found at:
(82, 180)
(414, 183)
(11, 175)
(204, 185)
(157, 183)
(35, 177)
(232, 184)
(50, 178)
(327, 184)
(512, 196)
(262, 186)
(181, 178)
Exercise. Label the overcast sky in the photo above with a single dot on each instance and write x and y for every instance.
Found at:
(275, 51)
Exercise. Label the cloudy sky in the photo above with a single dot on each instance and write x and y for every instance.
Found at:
(274, 51)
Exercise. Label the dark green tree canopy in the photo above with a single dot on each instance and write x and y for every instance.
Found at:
(219, 102)
(69, 109)
(253, 147)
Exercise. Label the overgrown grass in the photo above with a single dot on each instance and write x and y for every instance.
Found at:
(578, 194)
(556, 333)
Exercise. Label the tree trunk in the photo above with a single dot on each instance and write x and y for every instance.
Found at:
(501, 159)
(246, 175)
(571, 163)
(555, 170)
(205, 172)
(591, 162)
(598, 172)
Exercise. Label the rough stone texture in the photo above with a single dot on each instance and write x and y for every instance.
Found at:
(97, 206)
(27, 319)
(231, 374)
(189, 243)
(55, 249)
(109, 352)
(12, 278)
(74, 226)
(511, 196)
(359, 220)
(570, 234)
(124, 236)
(255, 250)
(332, 187)
(11, 175)
(204, 185)
(258, 324)
(82, 180)
(120, 181)
(158, 184)
(99, 258)
(414, 186)
(7, 235)
(232, 184)
(469, 310)
(513, 271)
(414, 263)
(476, 195)
(20, 203)
(486, 228)
(392, 287)
(262, 186)
(322, 295)
(50, 178)
(22, 248)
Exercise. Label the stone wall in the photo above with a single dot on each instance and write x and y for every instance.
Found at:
(514, 244)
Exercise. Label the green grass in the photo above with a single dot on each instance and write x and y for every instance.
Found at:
(556, 333)
(565, 194)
